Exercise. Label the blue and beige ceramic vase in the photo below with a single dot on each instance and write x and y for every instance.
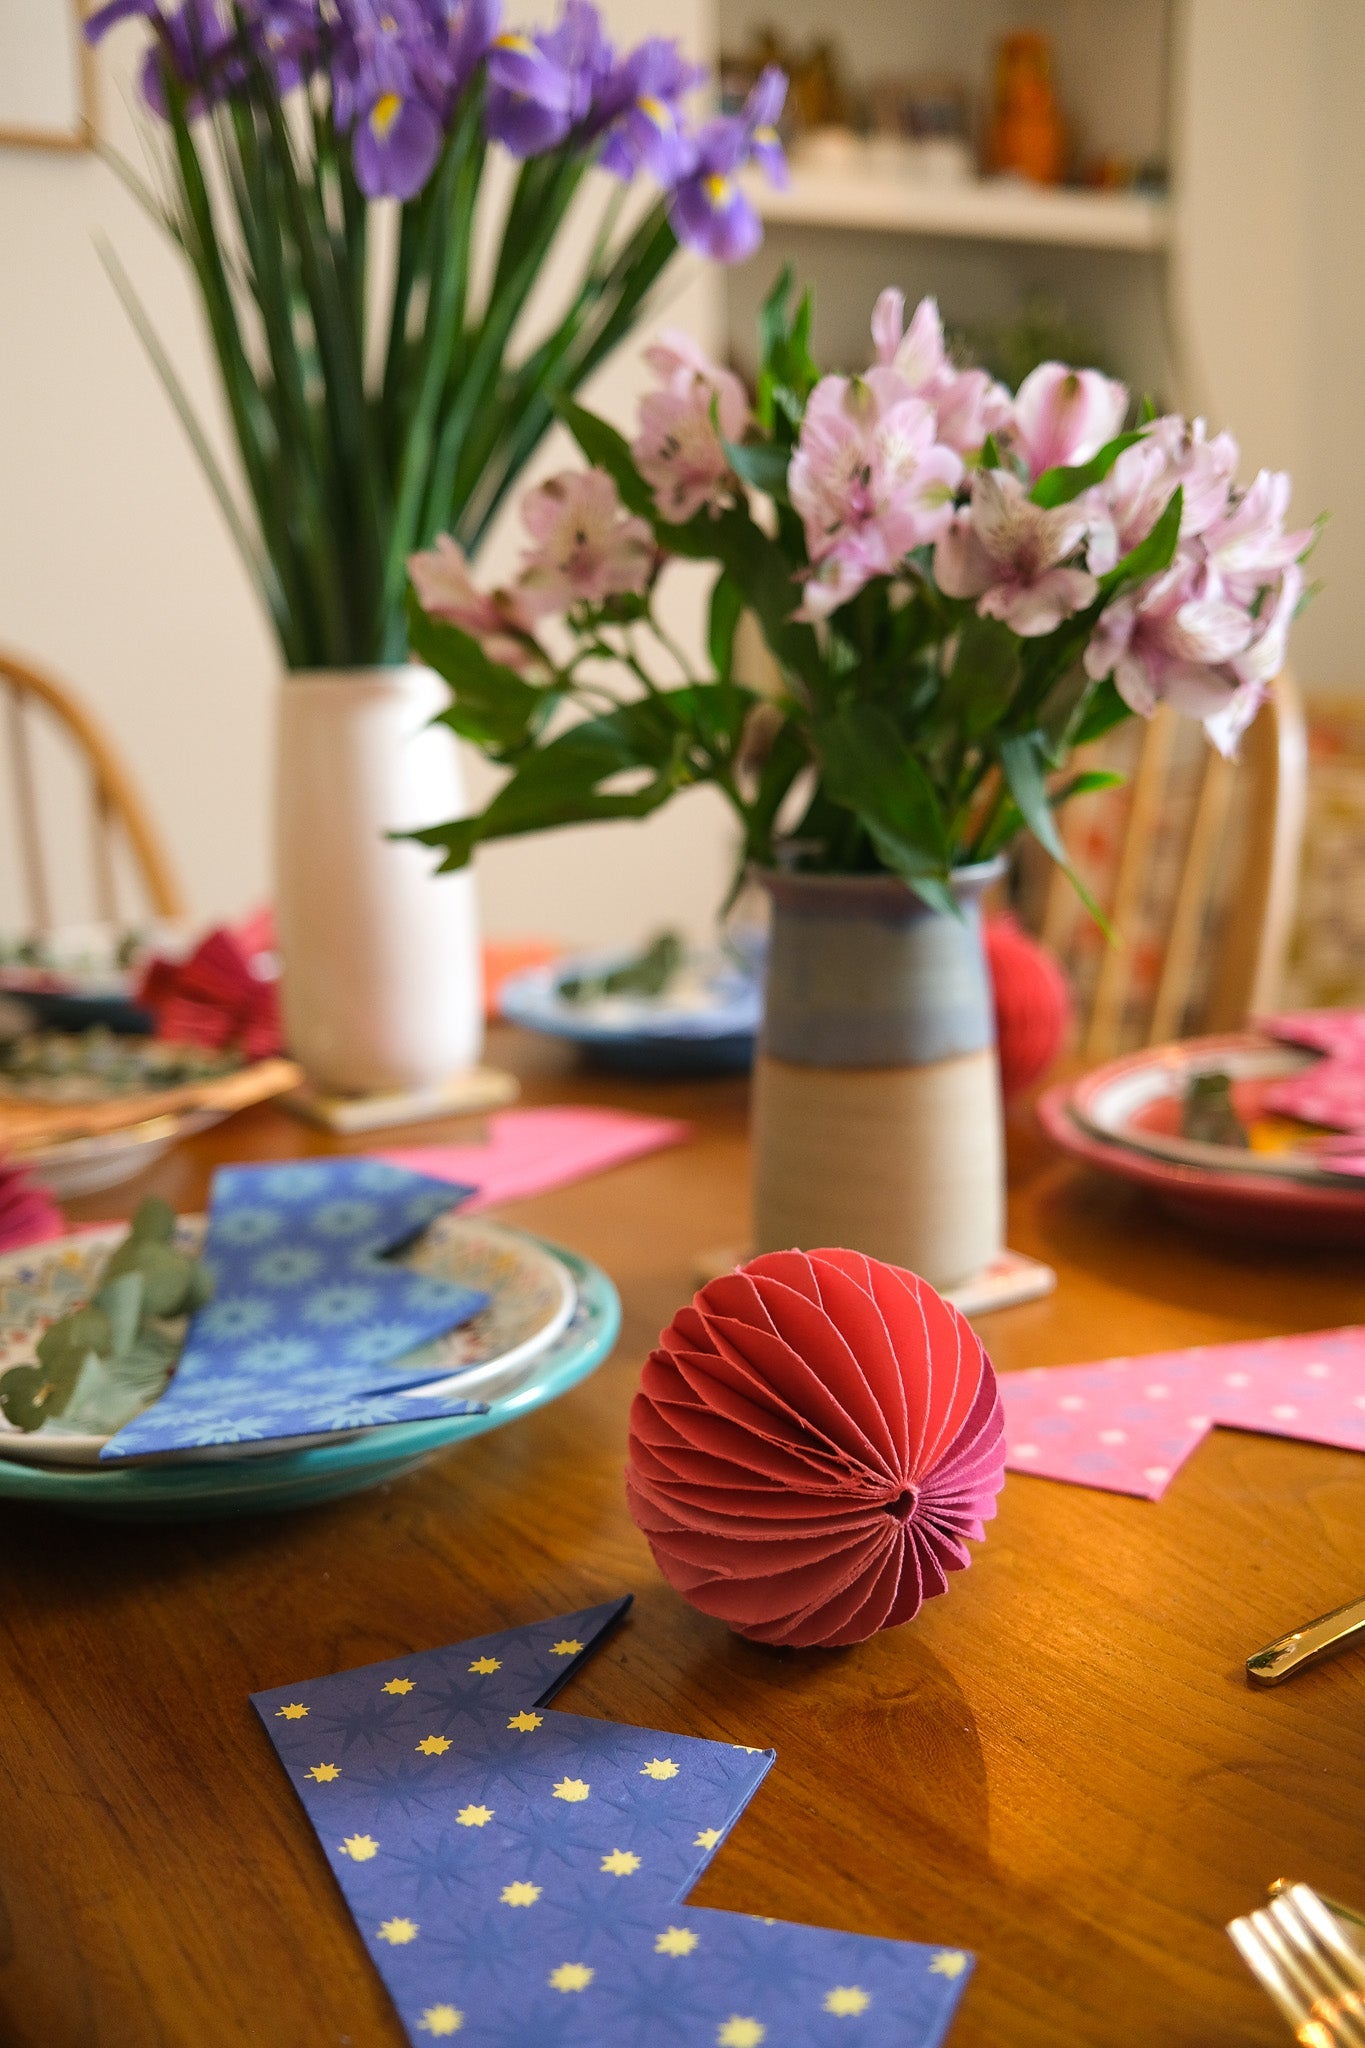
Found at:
(877, 1118)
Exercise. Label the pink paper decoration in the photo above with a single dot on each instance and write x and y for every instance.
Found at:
(814, 1440)
(1332, 1090)
(1127, 1425)
(222, 995)
(28, 1214)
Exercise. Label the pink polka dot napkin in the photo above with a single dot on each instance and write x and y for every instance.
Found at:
(1332, 1090)
(1128, 1424)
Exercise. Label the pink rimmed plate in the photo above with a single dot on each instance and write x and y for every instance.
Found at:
(1287, 1206)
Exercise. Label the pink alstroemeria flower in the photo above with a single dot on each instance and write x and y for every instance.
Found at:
(870, 483)
(1249, 548)
(1172, 455)
(1173, 641)
(677, 450)
(1011, 555)
(968, 404)
(587, 547)
(1062, 417)
(498, 619)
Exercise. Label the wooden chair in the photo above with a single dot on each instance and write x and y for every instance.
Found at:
(118, 819)
(1199, 882)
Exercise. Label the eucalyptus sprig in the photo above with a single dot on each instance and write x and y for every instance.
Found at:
(111, 1356)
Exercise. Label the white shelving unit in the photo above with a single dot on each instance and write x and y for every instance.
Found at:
(990, 210)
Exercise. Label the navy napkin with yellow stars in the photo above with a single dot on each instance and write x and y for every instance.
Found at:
(518, 1875)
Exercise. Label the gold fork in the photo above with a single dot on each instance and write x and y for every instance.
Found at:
(1315, 1976)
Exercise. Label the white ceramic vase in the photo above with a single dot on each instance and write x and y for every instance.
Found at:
(382, 987)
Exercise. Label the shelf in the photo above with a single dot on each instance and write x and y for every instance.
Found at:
(991, 210)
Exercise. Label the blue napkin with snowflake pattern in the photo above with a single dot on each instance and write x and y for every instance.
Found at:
(313, 1326)
(519, 1876)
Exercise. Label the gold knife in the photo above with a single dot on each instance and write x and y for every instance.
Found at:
(1308, 1645)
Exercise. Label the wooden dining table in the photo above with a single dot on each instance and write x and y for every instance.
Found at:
(1059, 1766)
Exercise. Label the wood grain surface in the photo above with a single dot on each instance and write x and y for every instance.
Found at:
(1059, 1765)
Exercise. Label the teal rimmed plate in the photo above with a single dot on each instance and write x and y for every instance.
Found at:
(164, 1492)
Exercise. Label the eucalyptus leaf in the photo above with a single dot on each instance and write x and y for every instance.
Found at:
(27, 1397)
(122, 1296)
(154, 1222)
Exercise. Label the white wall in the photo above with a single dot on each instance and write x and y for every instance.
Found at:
(116, 570)
(1269, 272)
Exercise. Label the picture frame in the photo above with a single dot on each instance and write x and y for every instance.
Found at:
(47, 76)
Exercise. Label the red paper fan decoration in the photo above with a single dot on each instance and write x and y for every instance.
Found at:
(814, 1440)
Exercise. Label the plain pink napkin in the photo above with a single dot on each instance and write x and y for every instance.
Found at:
(531, 1150)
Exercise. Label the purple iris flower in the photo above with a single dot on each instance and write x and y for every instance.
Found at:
(387, 87)
(708, 209)
(541, 87)
(195, 42)
(640, 109)
(470, 27)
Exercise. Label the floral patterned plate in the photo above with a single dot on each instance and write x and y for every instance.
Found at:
(181, 1491)
(532, 1302)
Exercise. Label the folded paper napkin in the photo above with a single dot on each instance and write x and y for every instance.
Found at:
(1332, 1090)
(529, 1151)
(312, 1327)
(1128, 1424)
(519, 1876)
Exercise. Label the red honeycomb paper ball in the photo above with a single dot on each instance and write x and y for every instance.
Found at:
(1032, 1004)
(814, 1441)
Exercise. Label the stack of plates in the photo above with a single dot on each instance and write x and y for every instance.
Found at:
(1125, 1118)
(551, 1320)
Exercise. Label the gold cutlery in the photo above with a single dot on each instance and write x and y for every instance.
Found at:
(1307, 1965)
(1308, 1645)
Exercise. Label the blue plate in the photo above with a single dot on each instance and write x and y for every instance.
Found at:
(640, 1035)
(168, 1492)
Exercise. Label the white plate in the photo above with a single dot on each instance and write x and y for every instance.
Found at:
(533, 1296)
(87, 1166)
(1116, 1102)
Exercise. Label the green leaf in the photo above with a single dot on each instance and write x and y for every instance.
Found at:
(154, 1222)
(606, 449)
(122, 1296)
(491, 705)
(761, 463)
(1105, 710)
(1021, 758)
(28, 1395)
(1087, 783)
(983, 676)
(1152, 555)
(63, 1346)
(727, 606)
(869, 769)
(561, 783)
(1059, 486)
